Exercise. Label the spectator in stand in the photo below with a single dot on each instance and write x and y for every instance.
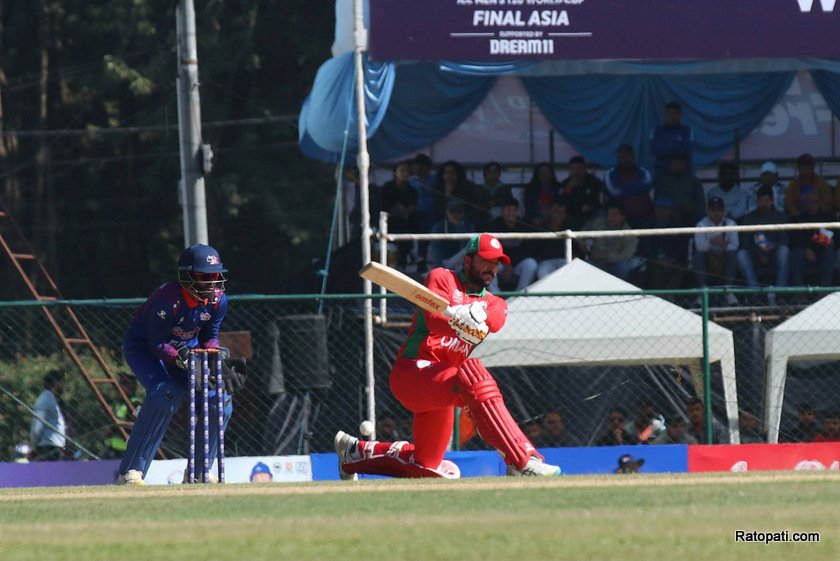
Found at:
(674, 432)
(450, 253)
(422, 179)
(386, 428)
(749, 427)
(768, 177)
(351, 193)
(807, 181)
(666, 257)
(452, 183)
(614, 254)
(764, 248)
(583, 191)
(540, 193)
(632, 186)
(399, 200)
(523, 268)
(812, 248)
(551, 254)
(696, 413)
(532, 430)
(730, 191)
(831, 428)
(554, 433)
(806, 427)
(647, 424)
(684, 189)
(496, 192)
(715, 254)
(670, 139)
(616, 434)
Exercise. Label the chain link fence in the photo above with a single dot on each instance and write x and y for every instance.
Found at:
(307, 367)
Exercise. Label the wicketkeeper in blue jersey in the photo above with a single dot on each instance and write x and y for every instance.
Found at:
(177, 317)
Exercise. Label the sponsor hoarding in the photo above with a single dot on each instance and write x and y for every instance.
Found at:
(482, 30)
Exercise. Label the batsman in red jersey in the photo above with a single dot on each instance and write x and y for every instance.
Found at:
(433, 374)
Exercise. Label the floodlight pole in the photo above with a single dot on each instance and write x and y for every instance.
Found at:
(360, 40)
(195, 157)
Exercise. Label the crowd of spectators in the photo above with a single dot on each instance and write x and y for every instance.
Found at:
(422, 199)
(647, 426)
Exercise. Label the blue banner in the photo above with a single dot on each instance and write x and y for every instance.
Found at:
(483, 30)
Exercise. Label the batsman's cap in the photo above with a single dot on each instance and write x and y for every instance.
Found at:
(487, 247)
(715, 202)
(200, 258)
(768, 167)
(626, 460)
(260, 467)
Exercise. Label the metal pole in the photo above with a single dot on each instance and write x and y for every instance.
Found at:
(569, 255)
(192, 196)
(707, 372)
(360, 45)
(383, 258)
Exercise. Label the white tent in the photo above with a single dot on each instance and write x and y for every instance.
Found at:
(809, 335)
(591, 330)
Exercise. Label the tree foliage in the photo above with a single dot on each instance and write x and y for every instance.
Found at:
(89, 152)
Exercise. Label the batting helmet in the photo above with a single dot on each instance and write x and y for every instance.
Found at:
(200, 272)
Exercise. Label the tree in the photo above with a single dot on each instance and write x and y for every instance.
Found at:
(101, 206)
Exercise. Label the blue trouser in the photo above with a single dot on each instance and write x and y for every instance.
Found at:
(826, 258)
(781, 257)
(165, 389)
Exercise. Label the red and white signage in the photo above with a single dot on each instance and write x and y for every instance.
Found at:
(765, 457)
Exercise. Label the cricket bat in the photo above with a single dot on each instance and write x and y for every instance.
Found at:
(405, 286)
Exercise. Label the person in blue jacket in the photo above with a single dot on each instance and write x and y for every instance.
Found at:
(177, 317)
(670, 139)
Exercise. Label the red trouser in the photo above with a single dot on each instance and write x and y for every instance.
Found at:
(430, 394)
(431, 390)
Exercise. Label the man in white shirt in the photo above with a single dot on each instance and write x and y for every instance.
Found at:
(715, 254)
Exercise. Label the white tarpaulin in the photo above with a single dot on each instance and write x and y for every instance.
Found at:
(618, 330)
(809, 335)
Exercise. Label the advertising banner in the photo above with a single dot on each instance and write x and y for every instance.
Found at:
(58, 474)
(488, 30)
(764, 457)
(243, 469)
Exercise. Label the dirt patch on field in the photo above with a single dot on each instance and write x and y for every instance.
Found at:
(398, 486)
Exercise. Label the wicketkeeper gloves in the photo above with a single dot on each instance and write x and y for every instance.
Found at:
(234, 373)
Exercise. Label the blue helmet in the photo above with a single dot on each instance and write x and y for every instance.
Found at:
(200, 272)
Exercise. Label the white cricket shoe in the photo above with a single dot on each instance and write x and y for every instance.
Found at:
(132, 477)
(347, 448)
(535, 467)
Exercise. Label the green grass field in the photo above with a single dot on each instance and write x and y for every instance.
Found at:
(642, 517)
